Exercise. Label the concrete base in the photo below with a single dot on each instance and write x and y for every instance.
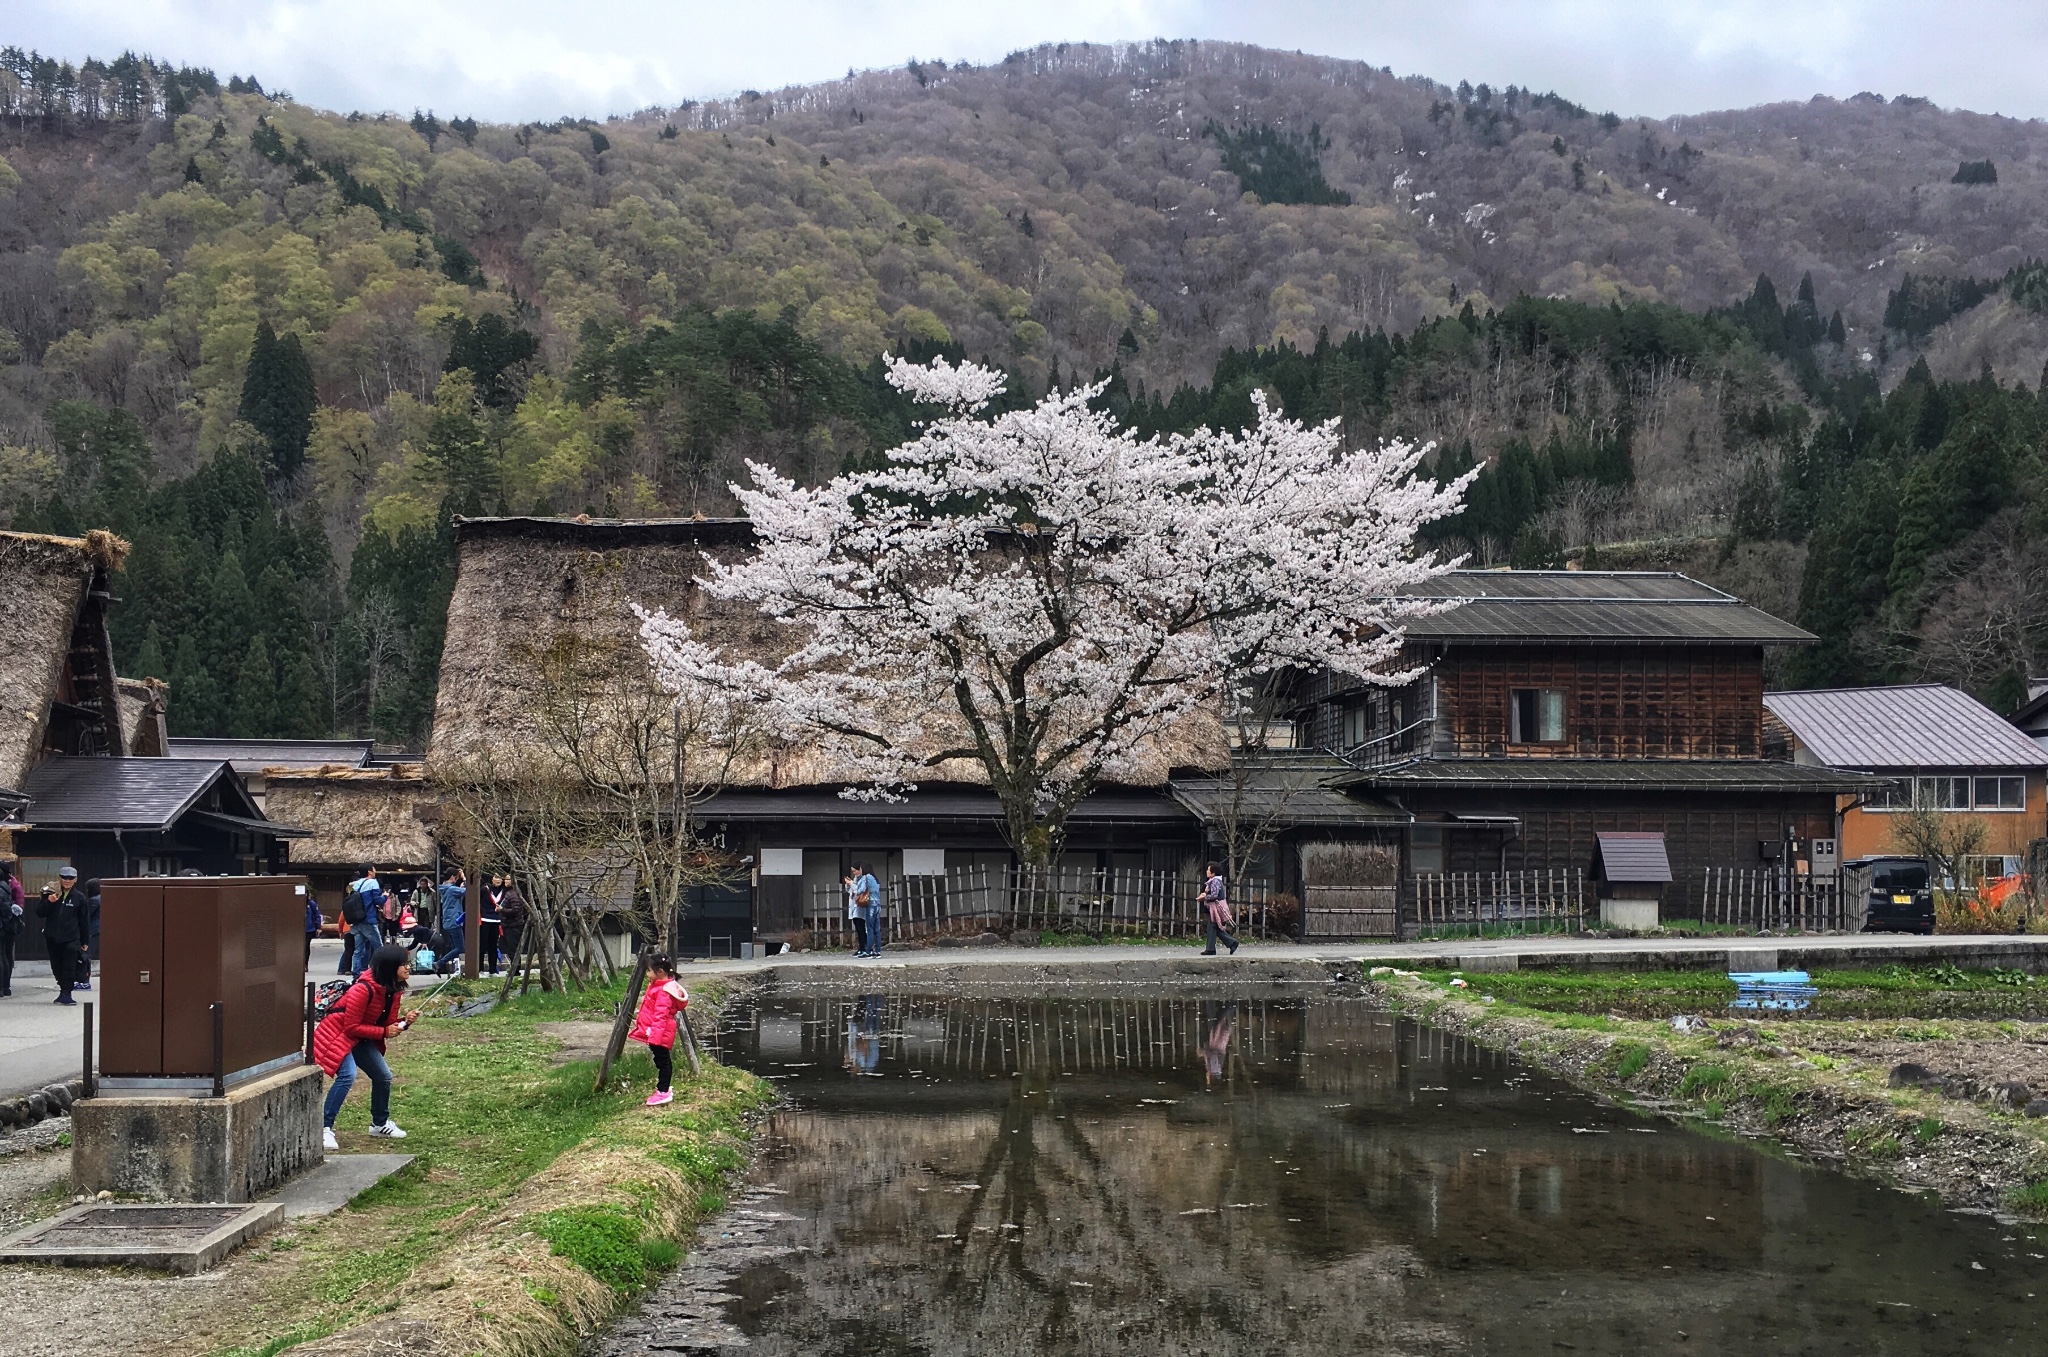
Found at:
(339, 1179)
(1636, 916)
(232, 1149)
(1479, 963)
(184, 1239)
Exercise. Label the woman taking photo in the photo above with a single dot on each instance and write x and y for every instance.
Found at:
(352, 1038)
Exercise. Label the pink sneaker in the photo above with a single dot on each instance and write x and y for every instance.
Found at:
(660, 1099)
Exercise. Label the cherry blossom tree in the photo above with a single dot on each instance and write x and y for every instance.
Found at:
(1039, 597)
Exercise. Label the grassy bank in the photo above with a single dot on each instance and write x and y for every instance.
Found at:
(1943, 991)
(1825, 1089)
(535, 1209)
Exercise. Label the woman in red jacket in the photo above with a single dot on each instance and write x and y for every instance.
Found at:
(352, 1037)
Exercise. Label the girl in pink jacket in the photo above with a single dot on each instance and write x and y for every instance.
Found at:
(660, 1009)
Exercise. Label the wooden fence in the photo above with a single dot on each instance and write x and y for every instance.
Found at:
(1773, 897)
(1066, 899)
(1551, 899)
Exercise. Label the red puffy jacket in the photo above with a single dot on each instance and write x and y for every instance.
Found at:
(366, 1010)
(655, 1023)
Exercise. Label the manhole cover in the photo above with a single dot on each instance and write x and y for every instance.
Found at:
(168, 1238)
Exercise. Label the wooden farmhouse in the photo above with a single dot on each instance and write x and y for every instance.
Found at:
(1605, 726)
(1595, 732)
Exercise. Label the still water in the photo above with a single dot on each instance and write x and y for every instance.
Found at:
(1173, 1176)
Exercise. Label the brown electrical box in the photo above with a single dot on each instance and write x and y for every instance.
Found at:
(172, 947)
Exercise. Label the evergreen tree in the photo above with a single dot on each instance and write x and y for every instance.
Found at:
(254, 716)
(301, 704)
(195, 696)
(148, 659)
(231, 619)
(278, 399)
(491, 350)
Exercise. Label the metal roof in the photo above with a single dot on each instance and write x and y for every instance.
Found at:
(1634, 856)
(253, 756)
(1706, 775)
(71, 792)
(1918, 726)
(1591, 606)
(1283, 788)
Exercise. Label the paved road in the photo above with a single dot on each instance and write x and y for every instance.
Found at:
(42, 1042)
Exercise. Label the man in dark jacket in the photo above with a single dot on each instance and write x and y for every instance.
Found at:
(64, 932)
(13, 919)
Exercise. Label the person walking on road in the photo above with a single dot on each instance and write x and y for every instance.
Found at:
(13, 919)
(1216, 902)
(64, 932)
(867, 894)
(352, 1037)
(512, 928)
(448, 948)
(661, 1008)
(362, 909)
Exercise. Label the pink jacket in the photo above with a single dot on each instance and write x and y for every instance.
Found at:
(660, 1007)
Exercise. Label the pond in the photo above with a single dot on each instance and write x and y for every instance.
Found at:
(1179, 1176)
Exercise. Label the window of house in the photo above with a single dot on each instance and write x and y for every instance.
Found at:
(1425, 849)
(1535, 716)
(2000, 793)
(1357, 725)
(1942, 793)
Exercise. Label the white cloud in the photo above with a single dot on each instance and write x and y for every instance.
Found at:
(518, 59)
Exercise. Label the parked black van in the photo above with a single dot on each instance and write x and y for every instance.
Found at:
(1897, 893)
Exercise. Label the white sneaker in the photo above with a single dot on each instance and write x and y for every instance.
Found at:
(327, 1140)
(387, 1129)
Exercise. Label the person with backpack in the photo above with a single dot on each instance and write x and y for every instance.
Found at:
(13, 919)
(512, 932)
(351, 1038)
(854, 920)
(1216, 901)
(362, 906)
(655, 1023)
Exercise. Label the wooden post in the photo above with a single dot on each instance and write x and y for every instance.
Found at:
(91, 1082)
(312, 991)
(689, 1037)
(622, 1022)
(220, 1050)
(472, 922)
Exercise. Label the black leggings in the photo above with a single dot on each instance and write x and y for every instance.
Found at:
(664, 1065)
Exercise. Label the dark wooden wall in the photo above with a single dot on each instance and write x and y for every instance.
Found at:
(1700, 831)
(1621, 702)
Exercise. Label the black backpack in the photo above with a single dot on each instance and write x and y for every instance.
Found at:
(353, 907)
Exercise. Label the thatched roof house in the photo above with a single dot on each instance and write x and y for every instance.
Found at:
(58, 690)
(524, 583)
(525, 587)
(359, 815)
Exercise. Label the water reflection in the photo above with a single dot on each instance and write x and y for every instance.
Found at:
(1176, 1176)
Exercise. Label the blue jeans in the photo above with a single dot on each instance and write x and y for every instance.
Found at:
(371, 1061)
(367, 939)
(871, 915)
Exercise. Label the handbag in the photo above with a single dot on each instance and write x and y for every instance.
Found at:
(1219, 914)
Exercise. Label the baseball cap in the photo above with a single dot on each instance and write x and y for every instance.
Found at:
(68, 874)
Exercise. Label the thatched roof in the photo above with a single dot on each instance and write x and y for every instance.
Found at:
(143, 705)
(357, 815)
(48, 582)
(522, 581)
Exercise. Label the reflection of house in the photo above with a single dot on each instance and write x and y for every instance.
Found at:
(524, 584)
(1556, 707)
(1943, 749)
(84, 747)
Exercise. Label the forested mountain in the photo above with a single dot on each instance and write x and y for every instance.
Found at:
(279, 347)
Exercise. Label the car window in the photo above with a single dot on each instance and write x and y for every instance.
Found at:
(1901, 878)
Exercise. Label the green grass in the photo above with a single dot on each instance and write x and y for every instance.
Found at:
(1631, 1058)
(2032, 1199)
(1928, 1130)
(485, 1110)
(1701, 1079)
(1056, 937)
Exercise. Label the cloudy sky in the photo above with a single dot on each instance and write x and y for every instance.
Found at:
(519, 59)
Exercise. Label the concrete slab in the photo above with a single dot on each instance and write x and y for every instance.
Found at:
(185, 1239)
(338, 1180)
(1752, 959)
